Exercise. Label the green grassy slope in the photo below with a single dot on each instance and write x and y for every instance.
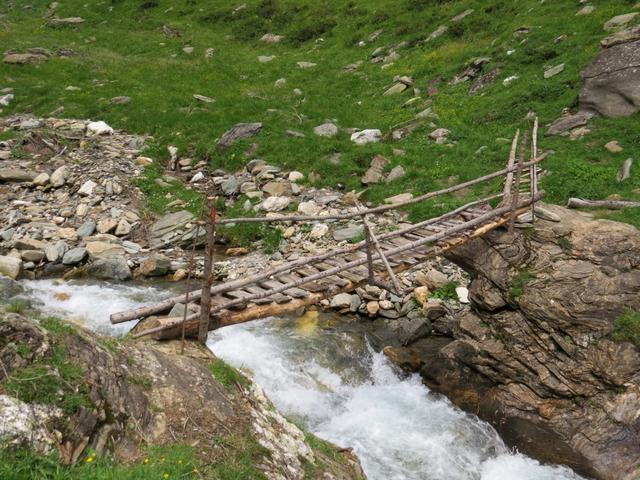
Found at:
(121, 50)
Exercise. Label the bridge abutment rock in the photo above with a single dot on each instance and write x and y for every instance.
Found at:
(534, 354)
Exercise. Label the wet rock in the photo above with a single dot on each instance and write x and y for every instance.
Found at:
(9, 288)
(239, 131)
(10, 266)
(109, 268)
(155, 266)
(74, 256)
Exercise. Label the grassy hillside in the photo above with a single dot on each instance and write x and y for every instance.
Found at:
(121, 49)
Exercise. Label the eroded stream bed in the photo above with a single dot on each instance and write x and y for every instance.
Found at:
(320, 370)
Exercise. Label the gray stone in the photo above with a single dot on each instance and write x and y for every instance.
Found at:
(619, 22)
(16, 175)
(370, 135)
(41, 179)
(109, 268)
(86, 229)
(238, 131)
(9, 288)
(121, 100)
(169, 223)
(156, 265)
(395, 89)
(275, 204)
(553, 71)
(74, 256)
(375, 173)
(230, 186)
(342, 300)
(611, 84)
(51, 252)
(432, 279)
(396, 173)
(60, 176)
(65, 22)
(10, 266)
(24, 58)
(87, 188)
(326, 130)
(623, 36)
(348, 233)
(564, 124)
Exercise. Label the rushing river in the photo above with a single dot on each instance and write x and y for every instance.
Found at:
(321, 371)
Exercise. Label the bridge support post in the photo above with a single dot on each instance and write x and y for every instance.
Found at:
(207, 279)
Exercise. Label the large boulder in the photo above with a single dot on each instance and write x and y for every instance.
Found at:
(109, 268)
(536, 356)
(611, 84)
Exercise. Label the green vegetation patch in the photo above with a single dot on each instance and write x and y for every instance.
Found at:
(520, 280)
(228, 376)
(447, 291)
(626, 328)
(160, 463)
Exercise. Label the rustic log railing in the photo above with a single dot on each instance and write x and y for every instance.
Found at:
(308, 280)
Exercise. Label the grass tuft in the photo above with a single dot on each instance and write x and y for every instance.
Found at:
(626, 328)
(228, 376)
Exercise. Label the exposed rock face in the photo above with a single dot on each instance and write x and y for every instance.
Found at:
(168, 397)
(611, 84)
(533, 356)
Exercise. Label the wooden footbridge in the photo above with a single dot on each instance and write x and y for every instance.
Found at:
(375, 260)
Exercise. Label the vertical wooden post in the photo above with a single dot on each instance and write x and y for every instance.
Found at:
(510, 164)
(516, 189)
(369, 242)
(207, 278)
(534, 168)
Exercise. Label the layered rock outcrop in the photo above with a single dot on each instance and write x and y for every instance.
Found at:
(534, 355)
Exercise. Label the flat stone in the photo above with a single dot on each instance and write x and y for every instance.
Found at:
(87, 188)
(74, 256)
(623, 36)
(120, 100)
(238, 131)
(395, 89)
(65, 22)
(564, 124)
(305, 65)
(24, 58)
(348, 233)
(99, 249)
(271, 38)
(402, 197)
(586, 10)
(553, 71)
(265, 58)
(16, 175)
(309, 208)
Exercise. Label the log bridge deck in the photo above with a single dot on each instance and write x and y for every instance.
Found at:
(375, 260)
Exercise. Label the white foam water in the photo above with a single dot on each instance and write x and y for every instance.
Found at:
(398, 429)
(90, 304)
(326, 376)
